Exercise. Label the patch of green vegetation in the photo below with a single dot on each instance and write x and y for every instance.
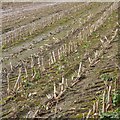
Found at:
(28, 84)
(112, 115)
(37, 76)
(116, 98)
(80, 115)
(85, 45)
(107, 77)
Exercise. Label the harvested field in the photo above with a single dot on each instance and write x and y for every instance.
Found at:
(60, 60)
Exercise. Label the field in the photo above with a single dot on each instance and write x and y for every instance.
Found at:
(60, 60)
